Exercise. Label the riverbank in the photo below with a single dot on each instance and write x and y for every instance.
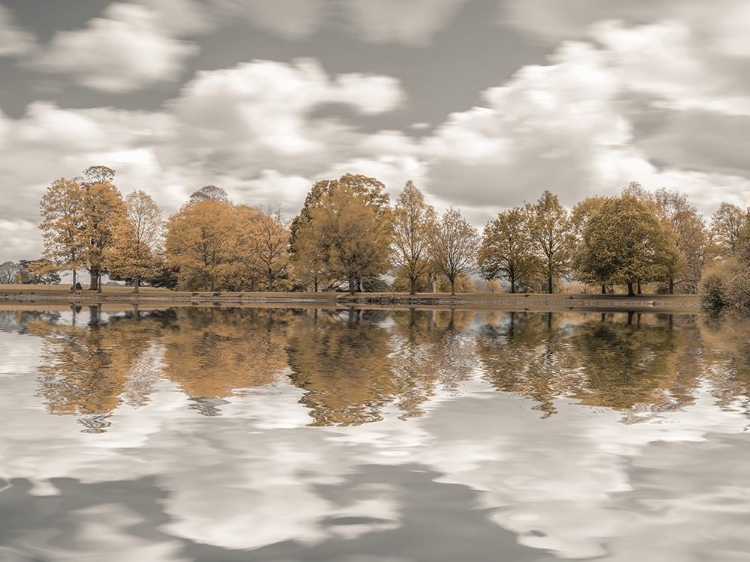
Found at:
(60, 294)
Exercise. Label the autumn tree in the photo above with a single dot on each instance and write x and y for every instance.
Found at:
(688, 231)
(135, 251)
(726, 226)
(198, 242)
(103, 212)
(347, 225)
(580, 216)
(209, 193)
(625, 243)
(262, 246)
(453, 245)
(412, 221)
(62, 223)
(550, 232)
(506, 250)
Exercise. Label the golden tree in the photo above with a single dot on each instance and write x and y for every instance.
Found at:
(506, 250)
(62, 223)
(137, 240)
(412, 221)
(199, 242)
(453, 246)
(550, 232)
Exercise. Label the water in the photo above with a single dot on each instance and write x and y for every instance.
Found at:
(371, 435)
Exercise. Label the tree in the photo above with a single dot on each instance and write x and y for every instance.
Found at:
(262, 245)
(62, 211)
(198, 242)
(103, 211)
(9, 272)
(453, 245)
(687, 229)
(726, 226)
(347, 225)
(506, 249)
(209, 193)
(137, 240)
(579, 219)
(412, 221)
(550, 231)
(36, 272)
(625, 243)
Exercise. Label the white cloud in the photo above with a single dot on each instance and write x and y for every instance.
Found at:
(126, 50)
(14, 41)
(410, 22)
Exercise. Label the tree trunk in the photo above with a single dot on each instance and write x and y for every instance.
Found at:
(453, 285)
(137, 283)
(315, 283)
(94, 283)
(639, 288)
(512, 283)
(671, 285)
(604, 289)
(549, 284)
(352, 286)
(75, 277)
(412, 285)
(631, 292)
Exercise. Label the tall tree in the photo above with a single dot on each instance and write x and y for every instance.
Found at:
(688, 231)
(103, 212)
(579, 219)
(625, 243)
(198, 242)
(62, 211)
(453, 245)
(412, 221)
(506, 249)
(550, 231)
(348, 224)
(726, 225)
(262, 245)
(9, 272)
(138, 240)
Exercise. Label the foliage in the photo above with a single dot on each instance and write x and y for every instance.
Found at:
(62, 213)
(453, 245)
(550, 232)
(9, 272)
(134, 253)
(412, 221)
(624, 243)
(343, 231)
(507, 250)
(727, 224)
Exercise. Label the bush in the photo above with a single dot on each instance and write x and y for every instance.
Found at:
(726, 286)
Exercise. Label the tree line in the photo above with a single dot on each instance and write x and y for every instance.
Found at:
(348, 236)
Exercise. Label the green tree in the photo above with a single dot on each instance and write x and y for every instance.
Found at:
(412, 221)
(453, 246)
(506, 249)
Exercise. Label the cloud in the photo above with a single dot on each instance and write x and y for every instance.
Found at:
(292, 19)
(409, 22)
(126, 50)
(14, 41)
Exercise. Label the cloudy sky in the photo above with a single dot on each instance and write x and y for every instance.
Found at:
(483, 103)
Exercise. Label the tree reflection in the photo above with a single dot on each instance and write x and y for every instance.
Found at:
(211, 353)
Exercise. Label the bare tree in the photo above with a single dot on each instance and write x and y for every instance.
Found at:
(453, 245)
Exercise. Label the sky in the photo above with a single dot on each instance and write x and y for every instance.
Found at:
(484, 104)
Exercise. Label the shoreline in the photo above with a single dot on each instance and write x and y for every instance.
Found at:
(503, 301)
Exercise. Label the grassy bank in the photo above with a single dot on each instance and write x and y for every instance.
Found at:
(49, 294)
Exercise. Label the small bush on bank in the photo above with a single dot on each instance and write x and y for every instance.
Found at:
(726, 286)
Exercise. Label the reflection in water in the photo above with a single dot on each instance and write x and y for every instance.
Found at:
(352, 364)
(350, 435)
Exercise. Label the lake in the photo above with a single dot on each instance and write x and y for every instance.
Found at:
(211, 434)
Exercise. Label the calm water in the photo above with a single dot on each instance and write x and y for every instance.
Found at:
(364, 436)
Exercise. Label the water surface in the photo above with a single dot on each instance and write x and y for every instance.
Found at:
(368, 435)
